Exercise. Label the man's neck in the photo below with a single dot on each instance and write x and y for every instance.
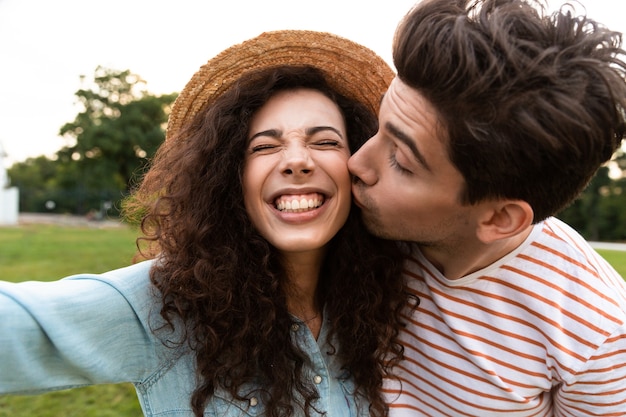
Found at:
(459, 260)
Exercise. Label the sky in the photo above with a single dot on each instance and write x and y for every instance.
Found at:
(46, 46)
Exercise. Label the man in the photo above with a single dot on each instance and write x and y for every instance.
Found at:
(497, 119)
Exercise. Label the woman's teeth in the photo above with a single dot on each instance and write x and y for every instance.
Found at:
(296, 204)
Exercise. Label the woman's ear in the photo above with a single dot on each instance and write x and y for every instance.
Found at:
(504, 219)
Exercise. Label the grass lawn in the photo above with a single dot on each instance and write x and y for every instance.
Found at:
(45, 253)
(617, 259)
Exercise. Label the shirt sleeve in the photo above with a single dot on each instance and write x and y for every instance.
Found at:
(81, 330)
(600, 388)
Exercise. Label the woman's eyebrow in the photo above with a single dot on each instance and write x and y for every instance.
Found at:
(273, 133)
(310, 131)
(313, 130)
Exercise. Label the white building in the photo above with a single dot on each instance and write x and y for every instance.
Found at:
(9, 196)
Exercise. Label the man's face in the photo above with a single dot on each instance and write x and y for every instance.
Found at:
(405, 182)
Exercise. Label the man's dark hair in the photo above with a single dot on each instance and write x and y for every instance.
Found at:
(530, 104)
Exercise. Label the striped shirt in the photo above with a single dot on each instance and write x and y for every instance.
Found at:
(541, 332)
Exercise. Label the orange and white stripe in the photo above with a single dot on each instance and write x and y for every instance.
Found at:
(542, 332)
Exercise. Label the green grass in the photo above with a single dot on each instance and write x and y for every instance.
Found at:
(42, 252)
(617, 259)
(46, 253)
(96, 401)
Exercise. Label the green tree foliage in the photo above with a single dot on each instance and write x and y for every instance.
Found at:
(112, 139)
(600, 211)
(119, 128)
(37, 180)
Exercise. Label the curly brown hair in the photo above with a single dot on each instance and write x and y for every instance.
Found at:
(224, 285)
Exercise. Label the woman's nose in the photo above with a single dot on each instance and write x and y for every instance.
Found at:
(297, 160)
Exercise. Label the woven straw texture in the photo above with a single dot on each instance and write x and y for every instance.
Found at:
(354, 70)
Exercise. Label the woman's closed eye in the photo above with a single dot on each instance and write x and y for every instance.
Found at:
(327, 143)
(263, 147)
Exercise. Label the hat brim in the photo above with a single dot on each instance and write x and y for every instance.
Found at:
(352, 69)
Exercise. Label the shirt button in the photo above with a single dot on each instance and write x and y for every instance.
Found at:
(317, 379)
(253, 401)
(295, 327)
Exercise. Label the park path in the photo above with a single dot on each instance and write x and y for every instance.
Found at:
(608, 246)
(66, 220)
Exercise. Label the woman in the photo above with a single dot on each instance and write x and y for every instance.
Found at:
(265, 296)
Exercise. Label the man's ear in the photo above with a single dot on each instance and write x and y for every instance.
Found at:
(504, 219)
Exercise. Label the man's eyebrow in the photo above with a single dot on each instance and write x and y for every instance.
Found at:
(404, 138)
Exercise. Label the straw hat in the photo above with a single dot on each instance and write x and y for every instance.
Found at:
(352, 69)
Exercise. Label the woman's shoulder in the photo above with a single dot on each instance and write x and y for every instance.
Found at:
(129, 280)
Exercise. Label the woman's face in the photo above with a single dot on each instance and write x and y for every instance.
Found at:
(296, 182)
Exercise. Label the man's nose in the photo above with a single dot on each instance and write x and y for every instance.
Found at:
(363, 164)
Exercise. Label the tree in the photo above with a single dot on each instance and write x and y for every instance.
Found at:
(113, 137)
(620, 160)
(613, 211)
(599, 213)
(36, 180)
(118, 130)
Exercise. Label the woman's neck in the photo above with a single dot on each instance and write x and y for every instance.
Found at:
(303, 272)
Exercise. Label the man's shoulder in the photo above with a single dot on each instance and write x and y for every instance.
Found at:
(555, 239)
(572, 262)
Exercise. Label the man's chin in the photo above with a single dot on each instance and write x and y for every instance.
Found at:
(374, 227)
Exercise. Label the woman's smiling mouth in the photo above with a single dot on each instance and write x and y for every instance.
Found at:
(299, 203)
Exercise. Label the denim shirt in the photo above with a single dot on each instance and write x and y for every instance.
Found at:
(96, 329)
